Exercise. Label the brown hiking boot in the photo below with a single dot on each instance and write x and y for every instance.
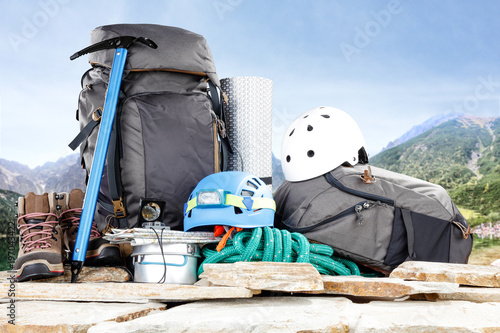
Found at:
(99, 251)
(40, 238)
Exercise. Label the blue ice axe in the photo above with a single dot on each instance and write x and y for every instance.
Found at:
(101, 149)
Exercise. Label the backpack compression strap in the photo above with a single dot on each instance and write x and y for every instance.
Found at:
(215, 96)
(85, 132)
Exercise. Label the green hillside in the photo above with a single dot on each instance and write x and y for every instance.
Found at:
(462, 155)
(7, 209)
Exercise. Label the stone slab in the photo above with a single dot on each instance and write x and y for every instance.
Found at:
(316, 314)
(418, 316)
(43, 316)
(470, 275)
(288, 277)
(87, 275)
(381, 287)
(471, 294)
(119, 292)
(262, 314)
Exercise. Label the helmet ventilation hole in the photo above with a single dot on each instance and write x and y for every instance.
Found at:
(325, 116)
(291, 132)
(257, 181)
(309, 128)
(306, 116)
(237, 210)
(246, 193)
(252, 185)
(288, 158)
(310, 153)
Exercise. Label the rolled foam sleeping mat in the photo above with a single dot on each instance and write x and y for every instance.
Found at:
(249, 124)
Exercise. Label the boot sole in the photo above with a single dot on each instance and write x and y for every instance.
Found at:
(39, 269)
(105, 255)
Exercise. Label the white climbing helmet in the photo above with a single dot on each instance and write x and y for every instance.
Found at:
(320, 140)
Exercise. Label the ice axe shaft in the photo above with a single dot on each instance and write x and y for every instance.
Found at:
(101, 149)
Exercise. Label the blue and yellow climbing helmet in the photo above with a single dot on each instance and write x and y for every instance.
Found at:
(230, 198)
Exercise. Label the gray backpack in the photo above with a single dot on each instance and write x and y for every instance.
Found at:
(376, 217)
(168, 131)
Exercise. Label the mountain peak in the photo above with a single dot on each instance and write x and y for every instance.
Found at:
(62, 176)
(421, 128)
(449, 154)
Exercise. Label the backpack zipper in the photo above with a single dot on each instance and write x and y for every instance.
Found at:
(356, 209)
(335, 183)
(365, 206)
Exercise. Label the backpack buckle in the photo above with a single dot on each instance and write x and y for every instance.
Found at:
(119, 208)
(96, 116)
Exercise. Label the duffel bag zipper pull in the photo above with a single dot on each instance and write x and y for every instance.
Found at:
(358, 209)
(364, 206)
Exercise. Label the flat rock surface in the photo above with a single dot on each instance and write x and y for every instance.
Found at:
(470, 275)
(417, 316)
(119, 292)
(269, 314)
(43, 316)
(471, 294)
(87, 275)
(316, 314)
(274, 276)
(382, 287)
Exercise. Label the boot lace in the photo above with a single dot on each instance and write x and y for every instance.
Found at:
(72, 217)
(26, 234)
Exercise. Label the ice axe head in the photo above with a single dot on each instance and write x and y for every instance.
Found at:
(114, 43)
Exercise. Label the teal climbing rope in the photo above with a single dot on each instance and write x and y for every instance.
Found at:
(274, 245)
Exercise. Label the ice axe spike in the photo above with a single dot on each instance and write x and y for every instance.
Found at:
(101, 149)
(114, 43)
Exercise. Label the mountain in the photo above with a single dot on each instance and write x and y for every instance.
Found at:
(421, 128)
(7, 210)
(278, 176)
(461, 154)
(63, 175)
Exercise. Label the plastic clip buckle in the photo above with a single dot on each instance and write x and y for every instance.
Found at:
(119, 208)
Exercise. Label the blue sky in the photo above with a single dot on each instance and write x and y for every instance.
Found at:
(389, 64)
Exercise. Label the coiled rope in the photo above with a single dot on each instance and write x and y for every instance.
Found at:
(274, 245)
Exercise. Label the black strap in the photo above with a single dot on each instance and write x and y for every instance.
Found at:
(410, 234)
(106, 206)
(112, 165)
(267, 180)
(113, 173)
(216, 99)
(85, 132)
(225, 154)
(226, 148)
